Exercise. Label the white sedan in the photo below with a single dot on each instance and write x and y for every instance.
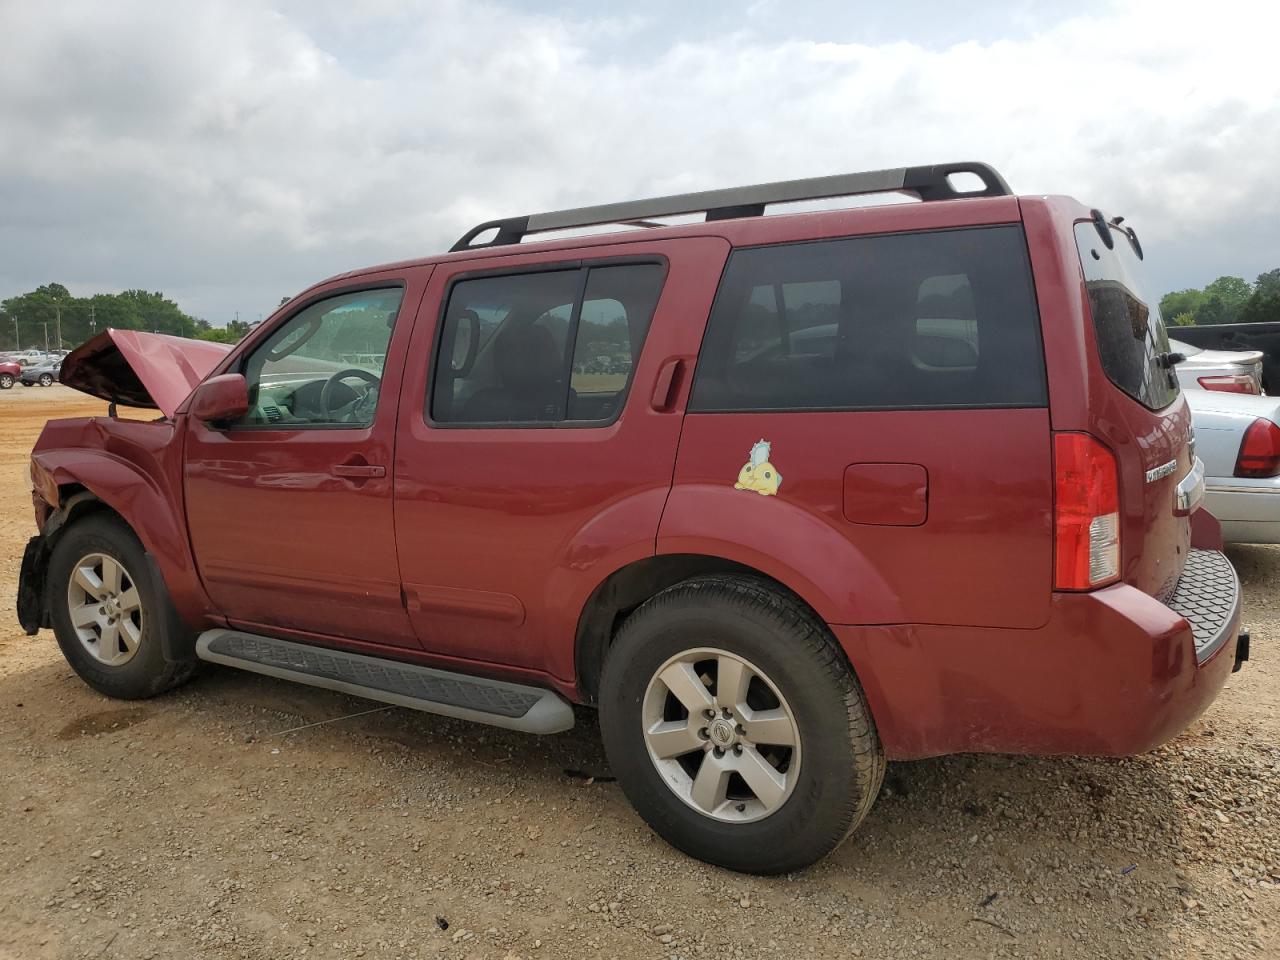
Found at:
(1231, 371)
(1238, 438)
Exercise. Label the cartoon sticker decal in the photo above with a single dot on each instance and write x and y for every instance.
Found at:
(758, 473)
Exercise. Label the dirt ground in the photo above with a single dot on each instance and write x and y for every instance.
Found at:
(214, 822)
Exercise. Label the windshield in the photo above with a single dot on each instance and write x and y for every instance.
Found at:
(1130, 332)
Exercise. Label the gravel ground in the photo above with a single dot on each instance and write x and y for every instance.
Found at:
(215, 823)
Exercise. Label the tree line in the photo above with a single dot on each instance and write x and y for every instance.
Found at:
(34, 319)
(1226, 300)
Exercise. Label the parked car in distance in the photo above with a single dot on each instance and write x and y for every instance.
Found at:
(42, 373)
(28, 357)
(1241, 336)
(784, 496)
(1238, 438)
(1227, 371)
(9, 373)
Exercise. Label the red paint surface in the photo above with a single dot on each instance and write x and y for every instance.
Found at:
(169, 368)
(479, 548)
(541, 515)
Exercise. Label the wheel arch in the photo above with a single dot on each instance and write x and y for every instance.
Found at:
(85, 482)
(626, 588)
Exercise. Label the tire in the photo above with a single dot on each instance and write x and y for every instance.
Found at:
(818, 790)
(113, 670)
(6, 381)
(46, 380)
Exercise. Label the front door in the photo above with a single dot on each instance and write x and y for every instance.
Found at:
(290, 508)
(538, 436)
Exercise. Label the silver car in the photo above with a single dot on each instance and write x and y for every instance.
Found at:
(1230, 371)
(1238, 438)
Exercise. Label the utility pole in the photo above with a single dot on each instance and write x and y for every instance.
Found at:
(17, 342)
(93, 320)
(46, 337)
(57, 307)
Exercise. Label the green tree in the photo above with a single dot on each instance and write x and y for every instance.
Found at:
(1261, 309)
(1184, 320)
(1267, 283)
(1181, 301)
(1232, 292)
(51, 306)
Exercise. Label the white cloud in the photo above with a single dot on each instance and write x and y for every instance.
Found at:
(229, 154)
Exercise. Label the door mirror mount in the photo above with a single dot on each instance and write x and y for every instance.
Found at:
(221, 399)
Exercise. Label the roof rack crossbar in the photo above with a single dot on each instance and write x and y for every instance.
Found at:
(929, 182)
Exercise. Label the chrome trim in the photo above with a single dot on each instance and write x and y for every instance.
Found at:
(1162, 471)
(1215, 488)
(1190, 492)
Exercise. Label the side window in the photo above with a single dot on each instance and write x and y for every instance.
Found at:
(323, 366)
(551, 347)
(936, 319)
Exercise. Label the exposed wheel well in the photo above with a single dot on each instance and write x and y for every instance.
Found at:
(626, 589)
(74, 503)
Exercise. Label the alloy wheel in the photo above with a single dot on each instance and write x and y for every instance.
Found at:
(721, 735)
(105, 609)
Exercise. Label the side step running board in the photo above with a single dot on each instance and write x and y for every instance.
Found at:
(495, 702)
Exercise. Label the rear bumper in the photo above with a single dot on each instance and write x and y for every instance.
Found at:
(1114, 672)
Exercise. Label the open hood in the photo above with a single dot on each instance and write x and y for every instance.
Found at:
(141, 369)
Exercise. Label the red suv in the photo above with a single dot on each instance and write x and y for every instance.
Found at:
(782, 495)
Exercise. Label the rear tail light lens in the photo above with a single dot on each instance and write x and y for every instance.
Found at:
(1231, 383)
(1259, 451)
(1086, 513)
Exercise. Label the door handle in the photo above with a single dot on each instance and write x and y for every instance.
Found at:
(664, 388)
(359, 471)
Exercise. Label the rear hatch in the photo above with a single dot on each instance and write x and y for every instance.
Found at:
(1144, 421)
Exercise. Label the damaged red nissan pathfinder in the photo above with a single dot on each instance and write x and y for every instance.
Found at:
(784, 494)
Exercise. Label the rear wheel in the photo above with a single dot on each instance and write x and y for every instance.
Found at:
(46, 380)
(6, 381)
(736, 728)
(110, 612)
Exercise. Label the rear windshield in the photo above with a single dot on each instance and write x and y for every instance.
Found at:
(1126, 318)
(898, 321)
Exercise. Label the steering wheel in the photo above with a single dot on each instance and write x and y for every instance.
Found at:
(330, 385)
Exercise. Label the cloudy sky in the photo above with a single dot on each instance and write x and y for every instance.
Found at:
(232, 153)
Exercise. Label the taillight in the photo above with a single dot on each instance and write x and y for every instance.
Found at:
(1259, 451)
(1231, 383)
(1086, 513)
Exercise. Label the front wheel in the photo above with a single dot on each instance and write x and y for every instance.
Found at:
(6, 381)
(110, 612)
(736, 727)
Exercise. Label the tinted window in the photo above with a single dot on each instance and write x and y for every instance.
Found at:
(323, 366)
(943, 319)
(549, 347)
(1126, 318)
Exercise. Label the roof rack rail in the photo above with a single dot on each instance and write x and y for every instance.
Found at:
(931, 183)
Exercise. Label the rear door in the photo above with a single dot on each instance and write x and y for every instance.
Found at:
(869, 415)
(537, 433)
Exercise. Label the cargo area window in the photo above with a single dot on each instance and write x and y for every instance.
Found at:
(543, 348)
(937, 319)
(1131, 336)
(323, 366)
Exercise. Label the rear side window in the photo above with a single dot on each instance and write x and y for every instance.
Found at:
(545, 347)
(938, 319)
(1126, 318)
